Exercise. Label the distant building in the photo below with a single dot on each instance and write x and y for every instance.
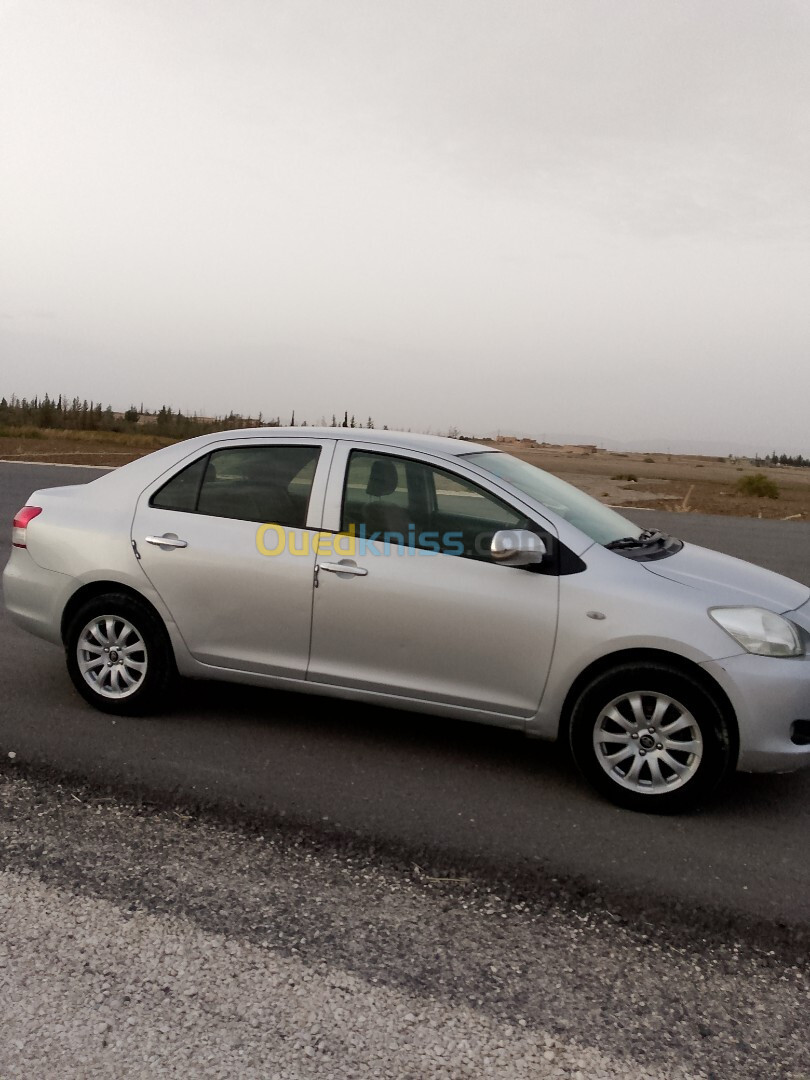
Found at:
(579, 450)
(512, 440)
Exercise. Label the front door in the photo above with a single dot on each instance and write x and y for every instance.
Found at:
(419, 611)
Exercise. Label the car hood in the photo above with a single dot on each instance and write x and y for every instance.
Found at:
(726, 580)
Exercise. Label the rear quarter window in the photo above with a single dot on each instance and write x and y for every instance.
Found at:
(182, 491)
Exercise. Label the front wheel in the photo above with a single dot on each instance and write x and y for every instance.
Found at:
(651, 738)
(119, 656)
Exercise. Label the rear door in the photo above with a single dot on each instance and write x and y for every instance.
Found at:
(235, 567)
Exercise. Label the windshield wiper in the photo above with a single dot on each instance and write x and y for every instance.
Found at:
(649, 536)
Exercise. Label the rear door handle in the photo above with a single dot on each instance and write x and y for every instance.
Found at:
(167, 541)
(342, 568)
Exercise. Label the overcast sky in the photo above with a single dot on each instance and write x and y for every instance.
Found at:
(578, 217)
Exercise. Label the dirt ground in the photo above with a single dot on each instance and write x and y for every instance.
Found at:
(678, 483)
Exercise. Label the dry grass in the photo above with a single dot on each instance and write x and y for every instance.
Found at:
(76, 447)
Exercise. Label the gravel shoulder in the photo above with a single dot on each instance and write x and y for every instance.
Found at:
(138, 941)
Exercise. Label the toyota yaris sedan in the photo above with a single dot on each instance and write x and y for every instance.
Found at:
(427, 574)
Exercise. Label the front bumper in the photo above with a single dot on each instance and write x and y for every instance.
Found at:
(768, 695)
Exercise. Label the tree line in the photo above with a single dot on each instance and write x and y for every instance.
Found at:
(782, 459)
(75, 414)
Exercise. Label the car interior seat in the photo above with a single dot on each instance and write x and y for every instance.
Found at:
(379, 515)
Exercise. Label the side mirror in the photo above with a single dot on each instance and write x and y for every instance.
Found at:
(517, 547)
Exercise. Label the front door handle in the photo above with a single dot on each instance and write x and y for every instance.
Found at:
(169, 540)
(342, 568)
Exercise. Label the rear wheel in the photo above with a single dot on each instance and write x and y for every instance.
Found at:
(119, 656)
(651, 738)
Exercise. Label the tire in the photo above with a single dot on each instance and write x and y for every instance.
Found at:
(119, 656)
(651, 738)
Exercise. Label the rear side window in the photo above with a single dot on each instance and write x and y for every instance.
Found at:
(252, 483)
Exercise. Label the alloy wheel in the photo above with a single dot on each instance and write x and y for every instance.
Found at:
(112, 656)
(648, 743)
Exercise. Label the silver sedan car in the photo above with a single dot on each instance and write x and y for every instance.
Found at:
(427, 574)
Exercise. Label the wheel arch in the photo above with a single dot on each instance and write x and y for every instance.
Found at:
(99, 588)
(661, 657)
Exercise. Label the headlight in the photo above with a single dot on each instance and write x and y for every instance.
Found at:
(759, 631)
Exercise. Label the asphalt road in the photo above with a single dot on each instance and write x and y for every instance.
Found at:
(442, 792)
(137, 943)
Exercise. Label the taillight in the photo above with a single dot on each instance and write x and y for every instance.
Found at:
(28, 513)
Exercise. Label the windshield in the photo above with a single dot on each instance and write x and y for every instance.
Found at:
(593, 518)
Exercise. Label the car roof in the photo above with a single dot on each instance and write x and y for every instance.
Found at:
(404, 440)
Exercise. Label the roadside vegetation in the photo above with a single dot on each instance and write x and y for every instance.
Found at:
(37, 418)
(80, 432)
(758, 485)
(34, 419)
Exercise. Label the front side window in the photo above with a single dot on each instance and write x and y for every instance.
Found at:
(249, 483)
(412, 504)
